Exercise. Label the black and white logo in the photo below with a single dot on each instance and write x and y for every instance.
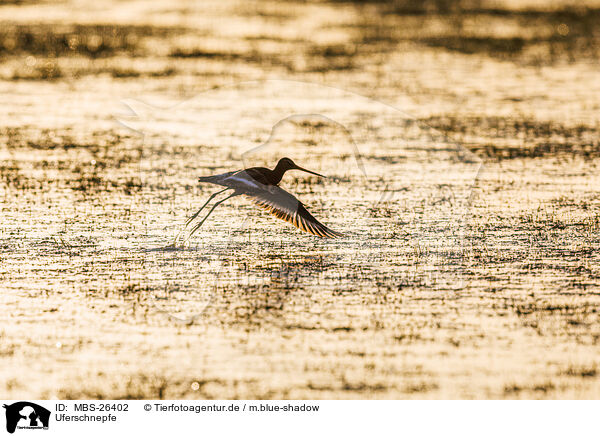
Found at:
(26, 415)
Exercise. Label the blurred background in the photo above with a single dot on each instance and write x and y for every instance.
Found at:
(195, 45)
(436, 59)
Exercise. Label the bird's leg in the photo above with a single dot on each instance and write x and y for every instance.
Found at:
(187, 223)
(197, 226)
(203, 206)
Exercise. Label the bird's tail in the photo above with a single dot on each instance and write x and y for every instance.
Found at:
(207, 179)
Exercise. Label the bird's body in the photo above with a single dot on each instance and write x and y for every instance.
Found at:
(261, 186)
(264, 176)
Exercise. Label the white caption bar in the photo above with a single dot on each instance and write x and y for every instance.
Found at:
(152, 417)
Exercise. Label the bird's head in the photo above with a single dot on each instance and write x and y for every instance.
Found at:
(286, 163)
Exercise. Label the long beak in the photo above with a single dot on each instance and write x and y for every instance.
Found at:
(311, 172)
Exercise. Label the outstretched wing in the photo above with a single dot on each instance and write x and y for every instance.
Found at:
(285, 206)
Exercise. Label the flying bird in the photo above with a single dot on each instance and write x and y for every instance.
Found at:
(260, 185)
